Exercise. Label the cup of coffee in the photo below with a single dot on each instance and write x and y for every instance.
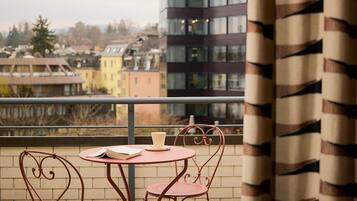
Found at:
(158, 139)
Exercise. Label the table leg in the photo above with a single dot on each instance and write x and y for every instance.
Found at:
(125, 182)
(174, 181)
(115, 186)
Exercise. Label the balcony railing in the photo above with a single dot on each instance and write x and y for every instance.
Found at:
(95, 140)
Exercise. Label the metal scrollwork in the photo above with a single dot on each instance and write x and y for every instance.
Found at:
(38, 172)
(205, 134)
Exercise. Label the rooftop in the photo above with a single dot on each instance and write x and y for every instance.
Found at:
(114, 50)
(33, 61)
(47, 71)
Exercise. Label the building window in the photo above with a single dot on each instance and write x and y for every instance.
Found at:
(236, 82)
(197, 109)
(73, 89)
(236, 53)
(38, 69)
(237, 24)
(177, 109)
(24, 69)
(231, 2)
(198, 3)
(67, 90)
(198, 26)
(197, 54)
(218, 81)
(176, 26)
(215, 3)
(218, 110)
(176, 54)
(235, 111)
(105, 63)
(111, 77)
(197, 81)
(176, 3)
(5, 68)
(136, 81)
(218, 53)
(218, 25)
(176, 81)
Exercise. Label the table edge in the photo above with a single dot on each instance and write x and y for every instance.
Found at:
(123, 162)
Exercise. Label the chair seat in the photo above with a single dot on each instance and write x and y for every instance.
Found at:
(177, 190)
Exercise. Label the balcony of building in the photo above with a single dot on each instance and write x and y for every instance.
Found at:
(77, 137)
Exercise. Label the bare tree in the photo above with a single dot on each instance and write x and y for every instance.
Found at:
(29, 115)
(93, 114)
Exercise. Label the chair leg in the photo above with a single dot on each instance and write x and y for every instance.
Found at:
(207, 197)
(146, 196)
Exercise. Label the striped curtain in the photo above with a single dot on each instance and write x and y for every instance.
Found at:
(300, 135)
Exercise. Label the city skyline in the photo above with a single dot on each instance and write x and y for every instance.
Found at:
(106, 11)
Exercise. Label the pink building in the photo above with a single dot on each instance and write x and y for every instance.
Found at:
(141, 77)
(137, 83)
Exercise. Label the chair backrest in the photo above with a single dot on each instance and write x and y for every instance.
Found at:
(40, 172)
(204, 135)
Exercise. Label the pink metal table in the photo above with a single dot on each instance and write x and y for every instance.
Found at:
(176, 153)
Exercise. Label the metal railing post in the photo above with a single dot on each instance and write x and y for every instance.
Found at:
(131, 140)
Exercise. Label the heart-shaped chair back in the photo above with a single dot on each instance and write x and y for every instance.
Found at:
(40, 172)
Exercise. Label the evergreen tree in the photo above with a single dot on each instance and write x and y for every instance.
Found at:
(43, 39)
(13, 37)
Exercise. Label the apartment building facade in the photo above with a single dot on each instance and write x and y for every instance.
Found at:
(39, 77)
(36, 77)
(141, 77)
(203, 45)
(111, 64)
(88, 66)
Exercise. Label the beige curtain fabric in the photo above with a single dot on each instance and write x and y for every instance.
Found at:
(300, 134)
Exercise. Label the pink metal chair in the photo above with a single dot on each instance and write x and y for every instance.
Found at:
(38, 172)
(198, 183)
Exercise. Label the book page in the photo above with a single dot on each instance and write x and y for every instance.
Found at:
(99, 153)
(125, 150)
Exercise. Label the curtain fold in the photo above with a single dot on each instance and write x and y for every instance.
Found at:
(300, 135)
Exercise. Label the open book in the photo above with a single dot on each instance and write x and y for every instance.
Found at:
(118, 152)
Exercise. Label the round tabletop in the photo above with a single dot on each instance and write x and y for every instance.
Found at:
(175, 153)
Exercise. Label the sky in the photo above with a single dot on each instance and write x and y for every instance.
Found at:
(64, 13)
